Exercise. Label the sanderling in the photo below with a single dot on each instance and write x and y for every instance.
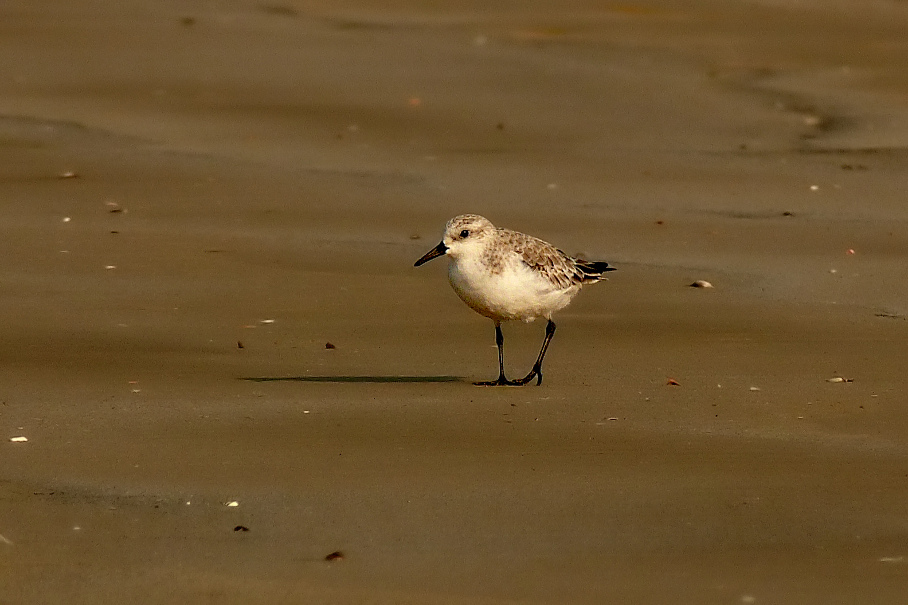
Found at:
(506, 275)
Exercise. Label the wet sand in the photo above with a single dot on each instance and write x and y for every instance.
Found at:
(249, 182)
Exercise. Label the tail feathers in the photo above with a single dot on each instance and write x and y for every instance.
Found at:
(591, 271)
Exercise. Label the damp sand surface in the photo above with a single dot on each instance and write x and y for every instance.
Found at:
(198, 198)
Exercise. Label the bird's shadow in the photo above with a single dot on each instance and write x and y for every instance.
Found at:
(353, 379)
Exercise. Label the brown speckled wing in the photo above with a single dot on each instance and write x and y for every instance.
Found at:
(551, 262)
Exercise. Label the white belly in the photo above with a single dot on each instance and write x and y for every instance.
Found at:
(517, 292)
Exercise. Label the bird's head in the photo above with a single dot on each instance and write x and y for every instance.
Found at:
(462, 233)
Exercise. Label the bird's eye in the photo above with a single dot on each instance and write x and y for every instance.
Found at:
(465, 234)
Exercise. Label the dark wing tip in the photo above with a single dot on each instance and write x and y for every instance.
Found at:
(591, 271)
(595, 266)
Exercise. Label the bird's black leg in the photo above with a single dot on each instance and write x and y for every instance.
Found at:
(536, 372)
(501, 381)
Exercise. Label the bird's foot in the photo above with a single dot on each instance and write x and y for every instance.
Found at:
(501, 381)
(534, 373)
(504, 382)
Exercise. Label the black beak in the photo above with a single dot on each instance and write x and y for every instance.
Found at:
(435, 252)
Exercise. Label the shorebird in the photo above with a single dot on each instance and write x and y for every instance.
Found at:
(505, 275)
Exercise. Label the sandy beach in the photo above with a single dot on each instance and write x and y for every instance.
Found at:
(226, 367)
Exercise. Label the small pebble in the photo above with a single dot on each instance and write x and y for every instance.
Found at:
(335, 556)
(701, 283)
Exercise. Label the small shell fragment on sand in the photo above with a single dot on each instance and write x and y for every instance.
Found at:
(754, 388)
(673, 382)
(67, 174)
(334, 556)
(839, 379)
(19, 439)
(701, 283)
(266, 321)
(232, 504)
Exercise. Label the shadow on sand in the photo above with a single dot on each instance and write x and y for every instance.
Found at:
(371, 379)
